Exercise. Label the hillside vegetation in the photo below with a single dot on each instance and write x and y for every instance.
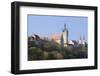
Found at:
(48, 50)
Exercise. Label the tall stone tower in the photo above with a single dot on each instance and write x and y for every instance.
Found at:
(64, 37)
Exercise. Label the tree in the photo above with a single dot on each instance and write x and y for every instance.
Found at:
(34, 53)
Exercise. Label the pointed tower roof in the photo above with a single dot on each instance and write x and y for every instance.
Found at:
(83, 37)
(65, 29)
(80, 37)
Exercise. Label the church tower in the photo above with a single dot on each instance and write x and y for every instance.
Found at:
(64, 37)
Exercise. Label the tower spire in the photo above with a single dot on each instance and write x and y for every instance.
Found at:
(80, 37)
(65, 27)
(83, 37)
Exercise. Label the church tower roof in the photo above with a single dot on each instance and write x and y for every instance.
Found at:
(65, 29)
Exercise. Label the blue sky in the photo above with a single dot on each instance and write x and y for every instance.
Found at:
(47, 25)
